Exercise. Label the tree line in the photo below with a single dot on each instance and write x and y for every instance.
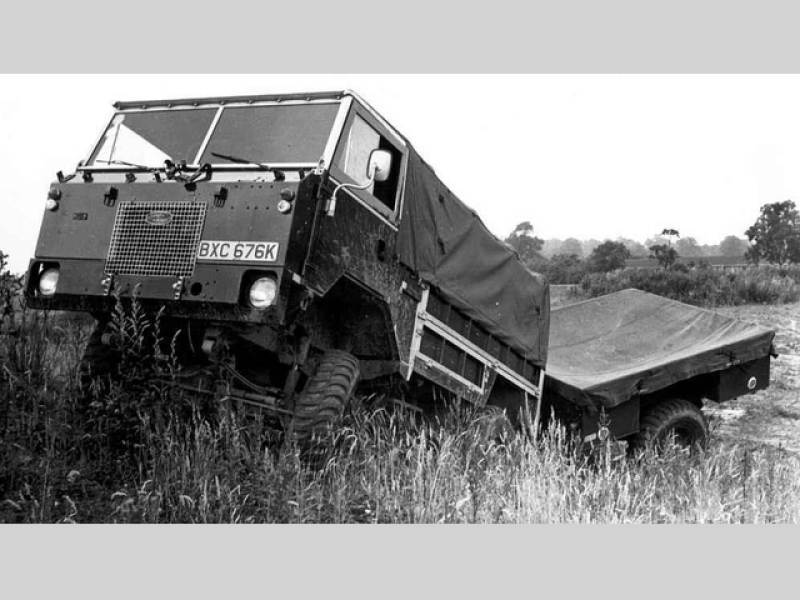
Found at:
(774, 238)
(731, 245)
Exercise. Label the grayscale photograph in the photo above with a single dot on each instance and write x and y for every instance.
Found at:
(400, 299)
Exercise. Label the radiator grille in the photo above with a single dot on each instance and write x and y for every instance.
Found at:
(155, 238)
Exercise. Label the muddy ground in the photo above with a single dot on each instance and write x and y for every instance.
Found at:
(771, 416)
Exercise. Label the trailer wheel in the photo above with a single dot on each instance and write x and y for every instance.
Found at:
(675, 418)
(98, 363)
(325, 396)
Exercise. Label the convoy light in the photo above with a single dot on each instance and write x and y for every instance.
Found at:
(262, 292)
(48, 281)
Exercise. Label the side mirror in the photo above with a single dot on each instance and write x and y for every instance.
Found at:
(379, 165)
(378, 168)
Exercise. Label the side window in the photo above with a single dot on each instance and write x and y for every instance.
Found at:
(352, 157)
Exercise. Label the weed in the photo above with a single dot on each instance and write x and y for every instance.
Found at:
(146, 450)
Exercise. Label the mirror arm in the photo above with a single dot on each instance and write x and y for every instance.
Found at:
(331, 208)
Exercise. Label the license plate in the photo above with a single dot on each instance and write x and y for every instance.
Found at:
(231, 250)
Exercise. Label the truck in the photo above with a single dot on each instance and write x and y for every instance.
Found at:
(302, 242)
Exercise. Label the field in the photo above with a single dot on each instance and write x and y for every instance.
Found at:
(145, 453)
(772, 416)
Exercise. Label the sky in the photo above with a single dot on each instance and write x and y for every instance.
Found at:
(593, 156)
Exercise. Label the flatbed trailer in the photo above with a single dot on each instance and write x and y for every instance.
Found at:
(615, 358)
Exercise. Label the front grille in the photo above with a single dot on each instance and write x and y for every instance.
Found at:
(155, 238)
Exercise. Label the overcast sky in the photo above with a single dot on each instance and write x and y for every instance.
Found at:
(583, 156)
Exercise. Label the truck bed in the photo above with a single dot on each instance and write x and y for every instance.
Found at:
(605, 350)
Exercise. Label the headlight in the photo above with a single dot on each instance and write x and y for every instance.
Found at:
(48, 281)
(262, 292)
(53, 196)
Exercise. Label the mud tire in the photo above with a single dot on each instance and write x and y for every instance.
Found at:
(494, 425)
(677, 416)
(325, 396)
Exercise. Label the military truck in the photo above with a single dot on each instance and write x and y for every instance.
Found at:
(301, 240)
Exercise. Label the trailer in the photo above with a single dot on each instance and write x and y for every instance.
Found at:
(635, 366)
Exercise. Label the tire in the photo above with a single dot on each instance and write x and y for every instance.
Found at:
(321, 404)
(675, 416)
(98, 363)
(494, 425)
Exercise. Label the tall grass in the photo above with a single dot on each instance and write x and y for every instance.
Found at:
(145, 451)
(702, 286)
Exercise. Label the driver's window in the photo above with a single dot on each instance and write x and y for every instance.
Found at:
(361, 140)
(358, 141)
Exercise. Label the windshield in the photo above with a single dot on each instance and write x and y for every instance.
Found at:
(270, 134)
(149, 138)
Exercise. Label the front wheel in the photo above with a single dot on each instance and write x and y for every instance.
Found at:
(675, 419)
(321, 404)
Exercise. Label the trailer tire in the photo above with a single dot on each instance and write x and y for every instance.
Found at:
(326, 394)
(675, 416)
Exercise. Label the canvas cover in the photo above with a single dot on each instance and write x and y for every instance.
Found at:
(605, 350)
(448, 245)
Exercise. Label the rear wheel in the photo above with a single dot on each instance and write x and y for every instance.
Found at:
(675, 419)
(321, 404)
(494, 425)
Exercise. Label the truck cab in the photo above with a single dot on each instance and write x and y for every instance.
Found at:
(300, 238)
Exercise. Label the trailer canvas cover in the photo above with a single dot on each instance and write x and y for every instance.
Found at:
(450, 247)
(605, 350)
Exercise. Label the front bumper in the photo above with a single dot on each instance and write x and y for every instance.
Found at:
(213, 292)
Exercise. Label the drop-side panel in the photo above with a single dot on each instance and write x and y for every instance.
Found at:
(445, 352)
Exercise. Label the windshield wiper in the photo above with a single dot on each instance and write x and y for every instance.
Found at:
(126, 164)
(153, 170)
(279, 175)
(242, 161)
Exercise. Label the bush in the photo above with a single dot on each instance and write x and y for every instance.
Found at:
(562, 269)
(665, 254)
(701, 285)
(608, 256)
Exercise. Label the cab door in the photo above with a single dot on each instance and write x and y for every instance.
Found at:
(360, 237)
